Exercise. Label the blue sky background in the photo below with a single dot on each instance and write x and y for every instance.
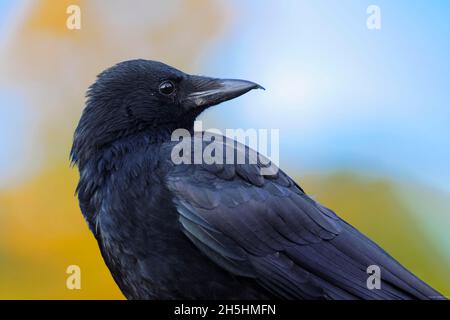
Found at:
(342, 96)
(13, 129)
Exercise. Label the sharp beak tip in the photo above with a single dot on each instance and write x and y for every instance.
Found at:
(253, 85)
(259, 87)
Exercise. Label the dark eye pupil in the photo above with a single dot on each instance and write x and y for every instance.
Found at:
(166, 87)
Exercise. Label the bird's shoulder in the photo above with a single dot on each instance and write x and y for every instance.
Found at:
(255, 204)
(250, 189)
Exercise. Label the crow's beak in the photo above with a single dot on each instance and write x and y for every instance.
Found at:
(205, 92)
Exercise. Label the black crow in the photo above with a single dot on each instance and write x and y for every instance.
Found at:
(216, 230)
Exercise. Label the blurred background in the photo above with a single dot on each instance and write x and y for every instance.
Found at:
(363, 117)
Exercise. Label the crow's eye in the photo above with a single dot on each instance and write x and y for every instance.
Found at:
(166, 87)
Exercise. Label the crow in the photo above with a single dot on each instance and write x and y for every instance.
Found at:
(202, 230)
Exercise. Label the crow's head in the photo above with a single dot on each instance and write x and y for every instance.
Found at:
(139, 95)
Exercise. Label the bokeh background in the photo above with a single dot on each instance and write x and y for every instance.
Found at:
(363, 117)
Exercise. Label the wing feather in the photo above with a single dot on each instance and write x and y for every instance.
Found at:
(266, 228)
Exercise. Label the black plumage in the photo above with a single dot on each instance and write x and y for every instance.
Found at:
(199, 231)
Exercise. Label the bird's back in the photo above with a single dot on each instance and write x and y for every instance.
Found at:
(225, 231)
(256, 222)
